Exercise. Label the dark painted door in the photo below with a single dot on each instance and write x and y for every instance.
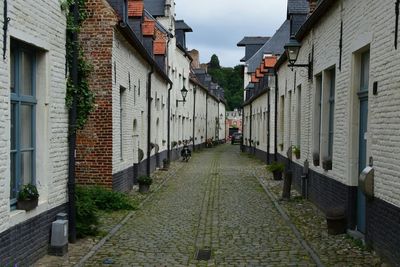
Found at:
(361, 201)
(363, 128)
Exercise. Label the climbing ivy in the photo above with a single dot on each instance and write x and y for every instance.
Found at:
(85, 98)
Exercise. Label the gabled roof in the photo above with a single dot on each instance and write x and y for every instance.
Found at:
(181, 25)
(155, 7)
(274, 46)
(297, 7)
(256, 40)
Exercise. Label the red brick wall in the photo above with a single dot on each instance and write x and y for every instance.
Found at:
(94, 142)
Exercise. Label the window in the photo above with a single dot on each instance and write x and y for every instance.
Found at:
(121, 121)
(317, 115)
(332, 79)
(298, 117)
(364, 82)
(23, 126)
(282, 121)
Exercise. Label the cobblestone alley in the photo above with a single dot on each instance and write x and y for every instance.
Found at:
(216, 203)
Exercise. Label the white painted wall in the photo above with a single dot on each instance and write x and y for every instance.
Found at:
(42, 26)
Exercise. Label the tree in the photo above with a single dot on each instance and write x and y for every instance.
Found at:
(214, 62)
(231, 80)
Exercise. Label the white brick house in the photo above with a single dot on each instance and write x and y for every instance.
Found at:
(345, 116)
(33, 125)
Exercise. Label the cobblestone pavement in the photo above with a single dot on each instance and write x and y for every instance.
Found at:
(214, 203)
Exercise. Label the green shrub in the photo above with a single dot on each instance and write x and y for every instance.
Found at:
(108, 200)
(28, 192)
(145, 180)
(87, 220)
(276, 167)
(91, 199)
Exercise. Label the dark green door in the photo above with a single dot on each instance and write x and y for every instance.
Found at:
(363, 129)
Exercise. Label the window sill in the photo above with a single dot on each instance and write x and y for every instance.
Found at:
(19, 216)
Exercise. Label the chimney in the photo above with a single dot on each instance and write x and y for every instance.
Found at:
(196, 58)
(135, 8)
(313, 5)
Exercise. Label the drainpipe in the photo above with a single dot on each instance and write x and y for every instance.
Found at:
(276, 117)
(169, 123)
(72, 133)
(251, 124)
(194, 116)
(268, 125)
(149, 100)
(219, 123)
(206, 117)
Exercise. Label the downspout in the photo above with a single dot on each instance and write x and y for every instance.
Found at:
(268, 125)
(169, 108)
(149, 100)
(219, 123)
(276, 117)
(206, 117)
(169, 123)
(194, 117)
(251, 125)
(72, 131)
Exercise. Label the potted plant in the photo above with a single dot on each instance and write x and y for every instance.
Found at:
(144, 183)
(327, 163)
(28, 198)
(164, 141)
(258, 143)
(152, 146)
(174, 143)
(296, 151)
(277, 169)
(179, 142)
(281, 146)
(315, 157)
(166, 164)
(140, 155)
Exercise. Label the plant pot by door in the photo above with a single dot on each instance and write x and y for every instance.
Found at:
(28, 204)
(144, 188)
(277, 175)
(336, 221)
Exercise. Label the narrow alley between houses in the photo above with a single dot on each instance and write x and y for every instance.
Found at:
(216, 204)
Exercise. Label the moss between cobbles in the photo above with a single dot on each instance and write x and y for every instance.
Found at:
(337, 250)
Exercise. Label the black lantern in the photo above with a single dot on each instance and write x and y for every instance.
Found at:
(184, 93)
(292, 49)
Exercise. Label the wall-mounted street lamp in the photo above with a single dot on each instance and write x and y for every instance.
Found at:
(184, 92)
(292, 49)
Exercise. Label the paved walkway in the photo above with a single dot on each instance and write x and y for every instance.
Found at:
(214, 203)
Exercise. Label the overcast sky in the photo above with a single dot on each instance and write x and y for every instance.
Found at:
(218, 25)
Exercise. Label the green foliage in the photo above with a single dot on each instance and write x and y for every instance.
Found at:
(296, 150)
(214, 62)
(87, 220)
(85, 98)
(276, 167)
(28, 192)
(231, 79)
(91, 199)
(145, 180)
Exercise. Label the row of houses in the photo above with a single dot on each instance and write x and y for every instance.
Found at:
(147, 103)
(326, 86)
